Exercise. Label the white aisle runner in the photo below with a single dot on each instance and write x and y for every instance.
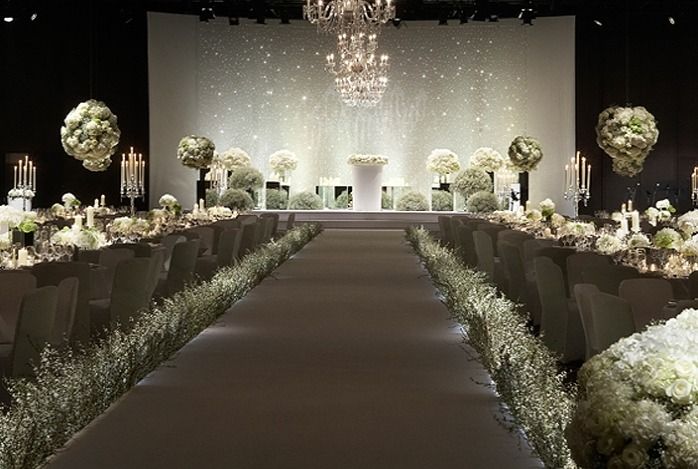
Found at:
(346, 359)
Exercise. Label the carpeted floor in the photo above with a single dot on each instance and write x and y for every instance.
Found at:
(344, 359)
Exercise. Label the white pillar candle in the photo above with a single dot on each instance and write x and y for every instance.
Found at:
(77, 223)
(90, 212)
(34, 179)
(15, 184)
(195, 210)
(22, 257)
(624, 225)
(102, 201)
(202, 206)
(635, 221)
(96, 204)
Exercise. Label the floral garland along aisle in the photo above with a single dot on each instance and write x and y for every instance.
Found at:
(522, 367)
(73, 388)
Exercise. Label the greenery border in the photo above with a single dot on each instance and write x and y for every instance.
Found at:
(523, 369)
(73, 387)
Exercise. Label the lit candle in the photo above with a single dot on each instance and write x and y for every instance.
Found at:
(624, 225)
(589, 178)
(20, 173)
(630, 205)
(26, 160)
(636, 221)
(22, 257)
(201, 204)
(583, 170)
(90, 221)
(77, 224)
(622, 209)
(15, 184)
(34, 178)
(96, 204)
(567, 176)
(102, 201)
(528, 205)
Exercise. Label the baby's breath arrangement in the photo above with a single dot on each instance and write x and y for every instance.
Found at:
(522, 367)
(73, 387)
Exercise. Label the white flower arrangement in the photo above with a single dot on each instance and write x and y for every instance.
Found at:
(668, 238)
(196, 152)
(233, 158)
(689, 248)
(525, 153)
(129, 227)
(638, 400)
(20, 194)
(547, 208)
(14, 217)
(609, 244)
(367, 160)
(57, 210)
(557, 220)
(219, 212)
(534, 215)
(488, 159)
(627, 134)
(168, 201)
(442, 162)
(283, 161)
(69, 200)
(577, 228)
(84, 238)
(638, 240)
(688, 223)
(482, 202)
(90, 134)
(471, 180)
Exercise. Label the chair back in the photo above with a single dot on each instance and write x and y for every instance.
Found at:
(531, 248)
(247, 218)
(182, 266)
(647, 298)
(206, 236)
(228, 224)
(492, 230)
(66, 306)
(228, 247)
(466, 245)
(130, 291)
(110, 258)
(583, 293)
(157, 263)
(553, 301)
(517, 238)
(52, 273)
(693, 284)
(608, 277)
(484, 252)
(13, 286)
(139, 249)
(248, 238)
(581, 261)
(513, 265)
(275, 222)
(290, 221)
(34, 324)
(559, 256)
(169, 242)
(613, 320)
(91, 256)
(445, 230)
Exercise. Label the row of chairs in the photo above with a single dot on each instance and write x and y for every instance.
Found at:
(56, 302)
(580, 301)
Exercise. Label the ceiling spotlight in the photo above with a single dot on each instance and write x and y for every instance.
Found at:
(34, 16)
(8, 19)
(527, 14)
(598, 22)
(397, 22)
(206, 14)
(671, 20)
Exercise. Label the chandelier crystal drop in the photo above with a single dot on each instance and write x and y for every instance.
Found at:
(337, 16)
(360, 73)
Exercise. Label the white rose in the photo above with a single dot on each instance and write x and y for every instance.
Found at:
(634, 456)
(663, 204)
(679, 390)
(684, 368)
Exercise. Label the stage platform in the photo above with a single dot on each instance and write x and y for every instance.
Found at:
(348, 219)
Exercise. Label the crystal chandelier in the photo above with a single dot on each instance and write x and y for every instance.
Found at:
(360, 74)
(337, 16)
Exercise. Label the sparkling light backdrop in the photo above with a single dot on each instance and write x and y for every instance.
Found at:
(264, 88)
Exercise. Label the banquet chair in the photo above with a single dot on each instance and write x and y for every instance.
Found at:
(33, 332)
(583, 293)
(608, 277)
(52, 273)
(66, 305)
(513, 266)
(267, 229)
(169, 242)
(217, 230)
(248, 238)
(693, 284)
(559, 256)
(91, 256)
(561, 326)
(205, 235)
(492, 230)
(13, 286)
(647, 298)
(579, 262)
(157, 263)
(517, 238)
(445, 230)
(484, 252)
(228, 224)
(228, 246)
(247, 218)
(110, 258)
(613, 320)
(465, 245)
(129, 296)
(139, 249)
(275, 222)
(181, 271)
(291, 221)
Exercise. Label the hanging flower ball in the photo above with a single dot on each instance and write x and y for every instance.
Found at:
(196, 152)
(525, 153)
(90, 134)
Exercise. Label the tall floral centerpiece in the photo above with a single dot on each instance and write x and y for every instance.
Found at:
(627, 135)
(442, 162)
(196, 152)
(367, 172)
(488, 159)
(283, 162)
(525, 153)
(233, 158)
(638, 400)
(90, 134)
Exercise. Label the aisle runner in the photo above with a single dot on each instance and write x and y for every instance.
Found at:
(346, 359)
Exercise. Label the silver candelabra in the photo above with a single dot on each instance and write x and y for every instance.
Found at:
(578, 182)
(132, 178)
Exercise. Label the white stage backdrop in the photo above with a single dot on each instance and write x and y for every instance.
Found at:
(264, 88)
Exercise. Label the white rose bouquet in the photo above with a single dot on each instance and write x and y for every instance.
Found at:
(637, 400)
(488, 159)
(627, 134)
(283, 161)
(83, 238)
(196, 152)
(442, 162)
(69, 200)
(668, 238)
(90, 134)
(547, 208)
(609, 244)
(129, 227)
(20, 194)
(367, 160)
(688, 223)
(577, 228)
(525, 153)
(233, 158)
(638, 240)
(170, 203)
